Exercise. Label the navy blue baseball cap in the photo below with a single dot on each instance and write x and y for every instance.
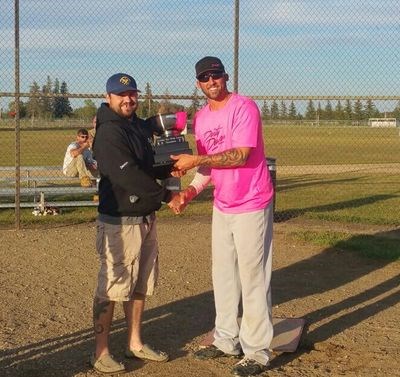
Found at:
(121, 82)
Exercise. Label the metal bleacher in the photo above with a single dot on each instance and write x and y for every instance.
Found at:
(39, 183)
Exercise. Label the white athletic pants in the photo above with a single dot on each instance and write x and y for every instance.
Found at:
(241, 269)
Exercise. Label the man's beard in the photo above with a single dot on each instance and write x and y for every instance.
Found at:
(122, 111)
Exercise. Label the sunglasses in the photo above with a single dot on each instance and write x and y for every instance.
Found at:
(206, 76)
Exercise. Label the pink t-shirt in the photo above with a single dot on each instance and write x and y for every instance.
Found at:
(238, 124)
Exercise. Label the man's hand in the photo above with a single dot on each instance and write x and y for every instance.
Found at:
(175, 203)
(180, 200)
(92, 166)
(184, 162)
(77, 151)
(87, 144)
(178, 173)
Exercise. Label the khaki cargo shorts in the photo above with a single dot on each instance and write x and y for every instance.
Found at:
(128, 260)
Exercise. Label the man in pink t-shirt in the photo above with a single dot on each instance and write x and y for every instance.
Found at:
(243, 188)
(230, 148)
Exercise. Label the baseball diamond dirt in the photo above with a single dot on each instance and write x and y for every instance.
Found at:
(350, 304)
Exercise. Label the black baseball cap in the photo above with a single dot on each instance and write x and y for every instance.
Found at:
(209, 63)
(121, 82)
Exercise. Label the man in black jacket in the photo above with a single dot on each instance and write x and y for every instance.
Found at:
(126, 240)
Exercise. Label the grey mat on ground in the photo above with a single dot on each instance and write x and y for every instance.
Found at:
(287, 333)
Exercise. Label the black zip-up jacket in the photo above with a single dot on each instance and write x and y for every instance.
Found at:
(124, 154)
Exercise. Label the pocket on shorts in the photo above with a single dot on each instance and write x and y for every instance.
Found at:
(100, 238)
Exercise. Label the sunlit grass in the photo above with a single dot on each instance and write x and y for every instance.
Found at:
(351, 197)
(376, 246)
(290, 144)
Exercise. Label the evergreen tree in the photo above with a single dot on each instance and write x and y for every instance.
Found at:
(57, 105)
(274, 110)
(358, 110)
(283, 110)
(265, 113)
(292, 111)
(339, 112)
(66, 104)
(62, 106)
(33, 105)
(56, 88)
(370, 110)
(148, 107)
(319, 113)
(328, 112)
(348, 110)
(310, 110)
(46, 102)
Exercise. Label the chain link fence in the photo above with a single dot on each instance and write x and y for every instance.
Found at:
(325, 75)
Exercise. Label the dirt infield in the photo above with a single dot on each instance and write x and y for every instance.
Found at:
(351, 304)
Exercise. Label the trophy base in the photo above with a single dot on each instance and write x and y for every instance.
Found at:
(165, 159)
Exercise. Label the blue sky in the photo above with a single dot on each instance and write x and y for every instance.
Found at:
(311, 47)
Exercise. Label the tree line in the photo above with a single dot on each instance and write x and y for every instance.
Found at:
(350, 111)
(44, 103)
(50, 101)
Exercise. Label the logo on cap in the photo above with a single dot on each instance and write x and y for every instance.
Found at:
(125, 80)
(121, 82)
(208, 63)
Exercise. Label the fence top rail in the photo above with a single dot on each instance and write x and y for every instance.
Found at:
(190, 97)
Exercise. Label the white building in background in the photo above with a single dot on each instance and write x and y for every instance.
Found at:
(383, 122)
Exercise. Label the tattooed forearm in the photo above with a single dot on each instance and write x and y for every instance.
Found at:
(229, 158)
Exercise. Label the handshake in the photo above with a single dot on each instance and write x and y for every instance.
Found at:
(181, 199)
(182, 163)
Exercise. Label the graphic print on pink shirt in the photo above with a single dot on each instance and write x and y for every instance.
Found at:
(213, 138)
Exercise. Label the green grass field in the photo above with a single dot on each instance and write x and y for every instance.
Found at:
(359, 196)
(291, 145)
(332, 145)
(355, 197)
(350, 197)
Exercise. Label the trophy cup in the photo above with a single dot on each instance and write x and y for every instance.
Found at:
(168, 128)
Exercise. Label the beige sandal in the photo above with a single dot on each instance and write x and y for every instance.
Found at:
(147, 353)
(106, 364)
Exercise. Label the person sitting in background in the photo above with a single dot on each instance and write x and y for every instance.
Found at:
(79, 161)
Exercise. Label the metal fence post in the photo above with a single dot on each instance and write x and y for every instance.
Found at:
(17, 119)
